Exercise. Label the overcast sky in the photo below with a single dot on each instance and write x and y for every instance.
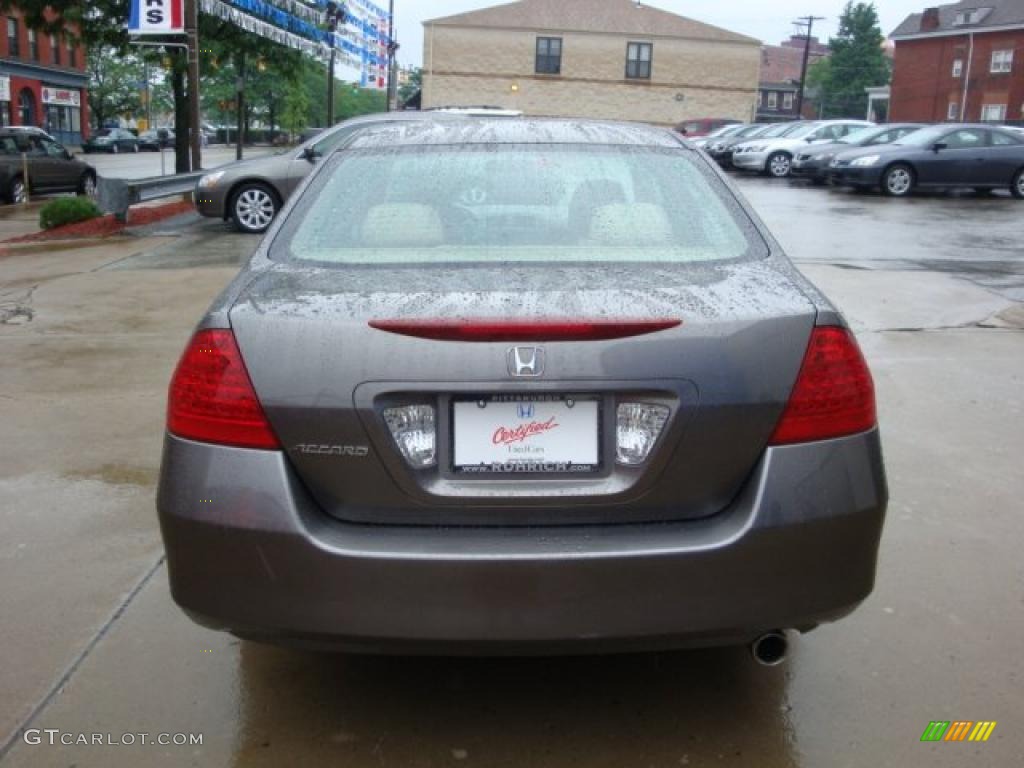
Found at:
(767, 20)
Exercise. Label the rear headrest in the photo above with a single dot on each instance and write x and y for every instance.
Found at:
(402, 225)
(630, 224)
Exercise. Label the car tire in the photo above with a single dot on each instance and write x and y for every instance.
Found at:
(87, 185)
(15, 191)
(898, 180)
(779, 165)
(1017, 188)
(253, 207)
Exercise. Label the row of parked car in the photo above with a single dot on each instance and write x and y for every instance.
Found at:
(896, 158)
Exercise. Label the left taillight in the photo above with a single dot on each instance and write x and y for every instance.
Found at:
(212, 399)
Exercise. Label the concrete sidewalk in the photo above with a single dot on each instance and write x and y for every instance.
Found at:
(19, 220)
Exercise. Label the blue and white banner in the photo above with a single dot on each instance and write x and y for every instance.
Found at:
(156, 17)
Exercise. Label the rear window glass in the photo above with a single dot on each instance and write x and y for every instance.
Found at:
(516, 203)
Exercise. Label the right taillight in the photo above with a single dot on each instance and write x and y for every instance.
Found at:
(833, 395)
(211, 398)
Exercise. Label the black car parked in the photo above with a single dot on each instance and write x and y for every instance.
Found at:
(980, 157)
(112, 140)
(154, 140)
(720, 149)
(51, 168)
(812, 163)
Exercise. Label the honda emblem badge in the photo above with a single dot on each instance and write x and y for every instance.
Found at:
(526, 362)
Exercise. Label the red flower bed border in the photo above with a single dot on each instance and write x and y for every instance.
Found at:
(104, 226)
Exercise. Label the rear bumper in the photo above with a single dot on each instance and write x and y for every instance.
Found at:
(797, 547)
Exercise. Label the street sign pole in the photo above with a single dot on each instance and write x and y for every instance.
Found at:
(192, 32)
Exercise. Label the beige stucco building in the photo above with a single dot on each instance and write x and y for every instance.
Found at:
(614, 59)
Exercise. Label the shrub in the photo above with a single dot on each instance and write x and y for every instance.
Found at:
(67, 210)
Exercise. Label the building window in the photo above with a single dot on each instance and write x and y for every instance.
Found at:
(993, 113)
(638, 60)
(549, 56)
(953, 111)
(958, 67)
(1002, 61)
(787, 101)
(13, 44)
(72, 54)
(33, 45)
(54, 50)
(773, 100)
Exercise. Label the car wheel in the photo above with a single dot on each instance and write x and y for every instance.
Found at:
(1017, 189)
(16, 190)
(253, 207)
(898, 180)
(779, 165)
(114, 148)
(87, 185)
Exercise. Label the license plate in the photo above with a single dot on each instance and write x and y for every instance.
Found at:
(515, 435)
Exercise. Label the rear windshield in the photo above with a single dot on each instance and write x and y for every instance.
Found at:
(516, 203)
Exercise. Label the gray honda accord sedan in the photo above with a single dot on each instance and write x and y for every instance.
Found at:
(520, 386)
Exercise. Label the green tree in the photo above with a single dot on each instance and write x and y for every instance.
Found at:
(857, 62)
(408, 89)
(113, 84)
(295, 116)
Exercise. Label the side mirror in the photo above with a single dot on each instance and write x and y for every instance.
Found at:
(310, 154)
(68, 155)
(939, 145)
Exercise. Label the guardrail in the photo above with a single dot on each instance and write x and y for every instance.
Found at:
(116, 196)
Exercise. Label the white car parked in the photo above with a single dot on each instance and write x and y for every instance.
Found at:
(775, 156)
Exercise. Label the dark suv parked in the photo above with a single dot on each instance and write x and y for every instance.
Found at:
(51, 168)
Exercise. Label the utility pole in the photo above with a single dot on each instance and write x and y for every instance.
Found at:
(240, 105)
(805, 21)
(337, 15)
(192, 32)
(330, 88)
(392, 50)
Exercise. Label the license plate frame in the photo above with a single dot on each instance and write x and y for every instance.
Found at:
(592, 405)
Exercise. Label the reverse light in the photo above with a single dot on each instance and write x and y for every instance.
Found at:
(637, 428)
(212, 399)
(865, 162)
(833, 395)
(414, 431)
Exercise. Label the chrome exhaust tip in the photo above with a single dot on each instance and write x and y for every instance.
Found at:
(770, 649)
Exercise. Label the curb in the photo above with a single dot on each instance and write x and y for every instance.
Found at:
(50, 246)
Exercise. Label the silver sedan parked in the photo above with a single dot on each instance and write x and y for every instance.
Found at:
(520, 386)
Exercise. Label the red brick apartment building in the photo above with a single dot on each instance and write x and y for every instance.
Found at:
(42, 80)
(960, 63)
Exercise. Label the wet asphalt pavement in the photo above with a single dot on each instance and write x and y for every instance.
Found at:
(93, 643)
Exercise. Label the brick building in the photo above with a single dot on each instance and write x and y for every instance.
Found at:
(42, 80)
(613, 59)
(961, 62)
(781, 66)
